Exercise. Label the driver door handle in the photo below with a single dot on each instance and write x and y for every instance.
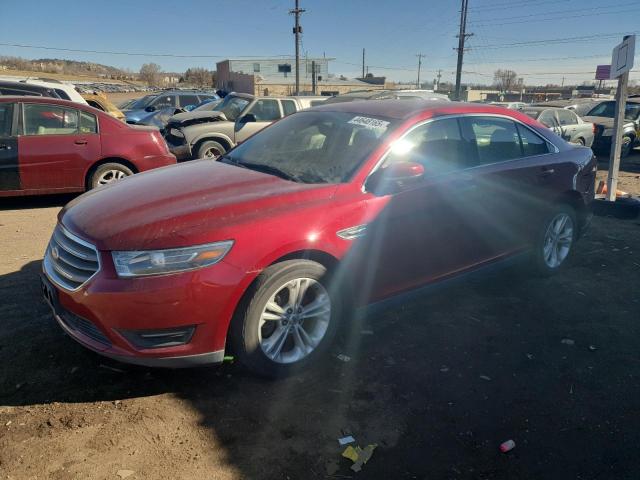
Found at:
(4, 146)
(80, 142)
(547, 171)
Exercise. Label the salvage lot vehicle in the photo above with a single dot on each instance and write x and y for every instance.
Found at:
(143, 108)
(64, 91)
(209, 134)
(19, 88)
(387, 95)
(166, 269)
(54, 146)
(565, 123)
(100, 101)
(602, 115)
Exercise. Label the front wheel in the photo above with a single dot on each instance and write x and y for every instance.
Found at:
(556, 239)
(287, 319)
(211, 150)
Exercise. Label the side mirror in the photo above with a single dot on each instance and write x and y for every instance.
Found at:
(249, 117)
(394, 178)
(150, 108)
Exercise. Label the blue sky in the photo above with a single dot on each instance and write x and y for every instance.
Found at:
(392, 31)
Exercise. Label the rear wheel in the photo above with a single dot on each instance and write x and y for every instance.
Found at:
(109, 173)
(555, 240)
(210, 149)
(580, 141)
(287, 320)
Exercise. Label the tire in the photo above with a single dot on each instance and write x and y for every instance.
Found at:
(210, 149)
(548, 246)
(580, 141)
(254, 339)
(109, 173)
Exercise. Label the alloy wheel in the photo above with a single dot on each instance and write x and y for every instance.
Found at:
(294, 320)
(110, 176)
(558, 240)
(211, 153)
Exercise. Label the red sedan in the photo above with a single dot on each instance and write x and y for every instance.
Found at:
(56, 146)
(267, 250)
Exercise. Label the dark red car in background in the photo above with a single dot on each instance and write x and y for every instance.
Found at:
(268, 249)
(55, 146)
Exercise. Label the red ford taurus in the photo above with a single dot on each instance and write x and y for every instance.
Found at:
(55, 146)
(267, 250)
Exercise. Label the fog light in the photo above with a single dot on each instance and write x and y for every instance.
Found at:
(166, 337)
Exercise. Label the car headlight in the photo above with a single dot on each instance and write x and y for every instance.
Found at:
(176, 132)
(161, 262)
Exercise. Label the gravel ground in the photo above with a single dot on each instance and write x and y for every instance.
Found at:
(437, 382)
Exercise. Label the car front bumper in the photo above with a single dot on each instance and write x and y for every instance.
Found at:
(97, 313)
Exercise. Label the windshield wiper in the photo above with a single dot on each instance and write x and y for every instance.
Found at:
(229, 160)
(270, 170)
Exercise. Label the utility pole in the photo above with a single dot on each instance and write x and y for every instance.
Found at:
(420, 56)
(437, 85)
(462, 36)
(313, 76)
(297, 30)
(363, 63)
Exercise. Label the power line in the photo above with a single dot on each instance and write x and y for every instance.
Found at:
(556, 12)
(561, 17)
(552, 41)
(519, 4)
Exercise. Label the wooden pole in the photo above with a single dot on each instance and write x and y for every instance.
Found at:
(616, 139)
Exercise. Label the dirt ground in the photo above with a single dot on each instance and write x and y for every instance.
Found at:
(437, 382)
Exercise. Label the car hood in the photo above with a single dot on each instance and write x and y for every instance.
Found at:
(186, 118)
(135, 115)
(188, 204)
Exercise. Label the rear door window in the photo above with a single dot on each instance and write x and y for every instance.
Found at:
(605, 109)
(288, 107)
(41, 119)
(88, 123)
(6, 119)
(532, 143)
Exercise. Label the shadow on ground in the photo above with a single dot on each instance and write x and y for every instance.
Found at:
(437, 382)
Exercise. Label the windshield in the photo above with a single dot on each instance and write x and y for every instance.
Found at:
(313, 147)
(233, 106)
(141, 103)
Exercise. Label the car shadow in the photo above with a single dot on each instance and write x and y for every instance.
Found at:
(36, 201)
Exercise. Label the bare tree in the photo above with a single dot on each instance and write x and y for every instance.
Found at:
(199, 76)
(505, 80)
(150, 73)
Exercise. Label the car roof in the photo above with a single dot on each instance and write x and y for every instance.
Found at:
(33, 99)
(403, 109)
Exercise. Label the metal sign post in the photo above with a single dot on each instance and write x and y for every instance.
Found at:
(621, 63)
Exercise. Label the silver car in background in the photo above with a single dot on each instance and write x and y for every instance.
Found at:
(564, 123)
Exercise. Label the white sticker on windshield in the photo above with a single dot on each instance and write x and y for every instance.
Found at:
(371, 123)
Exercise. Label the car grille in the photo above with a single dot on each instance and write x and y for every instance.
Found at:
(84, 326)
(69, 261)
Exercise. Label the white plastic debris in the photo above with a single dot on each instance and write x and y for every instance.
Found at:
(346, 440)
(567, 341)
(343, 358)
